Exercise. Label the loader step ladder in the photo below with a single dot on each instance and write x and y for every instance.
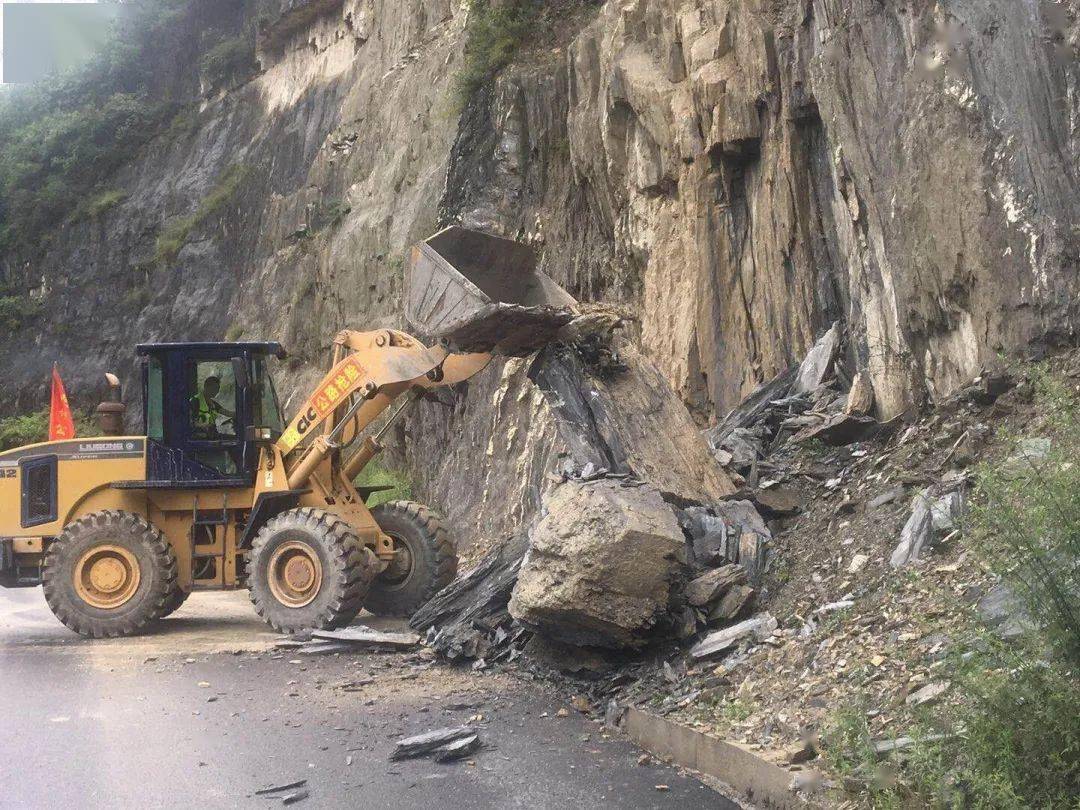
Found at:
(207, 537)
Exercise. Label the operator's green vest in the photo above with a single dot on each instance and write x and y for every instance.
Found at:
(204, 413)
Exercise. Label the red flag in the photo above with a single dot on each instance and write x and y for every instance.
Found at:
(61, 425)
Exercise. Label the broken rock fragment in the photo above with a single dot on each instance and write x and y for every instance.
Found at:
(713, 584)
(716, 533)
(778, 501)
(841, 429)
(860, 399)
(363, 636)
(425, 743)
(928, 515)
(734, 602)
(600, 566)
(817, 364)
(458, 749)
(760, 627)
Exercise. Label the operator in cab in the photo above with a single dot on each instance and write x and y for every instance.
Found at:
(205, 409)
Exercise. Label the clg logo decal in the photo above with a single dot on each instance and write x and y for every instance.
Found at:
(339, 385)
(306, 420)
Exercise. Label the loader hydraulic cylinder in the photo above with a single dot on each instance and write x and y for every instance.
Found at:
(372, 445)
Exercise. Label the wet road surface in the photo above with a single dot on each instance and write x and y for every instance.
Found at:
(206, 711)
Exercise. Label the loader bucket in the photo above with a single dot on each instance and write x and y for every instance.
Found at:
(483, 293)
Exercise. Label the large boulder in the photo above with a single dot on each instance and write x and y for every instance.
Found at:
(601, 565)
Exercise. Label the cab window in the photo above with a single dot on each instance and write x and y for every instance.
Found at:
(212, 400)
(268, 410)
(155, 423)
(211, 403)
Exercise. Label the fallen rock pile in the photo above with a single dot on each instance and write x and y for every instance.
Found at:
(602, 562)
(867, 586)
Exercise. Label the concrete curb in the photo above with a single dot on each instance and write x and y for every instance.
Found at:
(760, 781)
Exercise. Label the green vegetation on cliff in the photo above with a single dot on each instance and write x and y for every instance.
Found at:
(498, 30)
(177, 231)
(63, 139)
(1012, 738)
(31, 428)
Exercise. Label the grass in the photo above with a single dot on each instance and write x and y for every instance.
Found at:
(375, 474)
(96, 205)
(735, 711)
(327, 214)
(177, 231)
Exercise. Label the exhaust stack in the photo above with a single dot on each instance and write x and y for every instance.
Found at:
(110, 413)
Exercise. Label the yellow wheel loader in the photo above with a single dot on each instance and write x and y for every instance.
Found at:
(219, 492)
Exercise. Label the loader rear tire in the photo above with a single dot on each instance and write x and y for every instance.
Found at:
(426, 561)
(174, 601)
(308, 571)
(109, 574)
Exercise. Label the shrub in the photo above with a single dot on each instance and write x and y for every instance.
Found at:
(15, 310)
(375, 474)
(230, 59)
(1012, 740)
(30, 428)
(1026, 518)
(498, 30)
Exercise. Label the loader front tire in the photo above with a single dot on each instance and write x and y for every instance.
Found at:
(109, 574)
(308, 571)
(425, 560)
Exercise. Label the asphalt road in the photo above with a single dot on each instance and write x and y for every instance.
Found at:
(205, 712)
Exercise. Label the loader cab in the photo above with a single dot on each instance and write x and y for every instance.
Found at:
(201, 401)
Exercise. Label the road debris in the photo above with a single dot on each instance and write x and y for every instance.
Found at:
(428, 742)
(361, 635)
(600, 566)
(458, 749)
(760, 627)
(712, 585)
(299, 783)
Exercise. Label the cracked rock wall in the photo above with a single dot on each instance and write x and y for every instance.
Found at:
(743, 173)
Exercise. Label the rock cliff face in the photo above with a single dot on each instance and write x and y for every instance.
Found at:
(735, 174)
(743, 173)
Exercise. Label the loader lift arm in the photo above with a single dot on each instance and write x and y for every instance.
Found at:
(369, 371)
